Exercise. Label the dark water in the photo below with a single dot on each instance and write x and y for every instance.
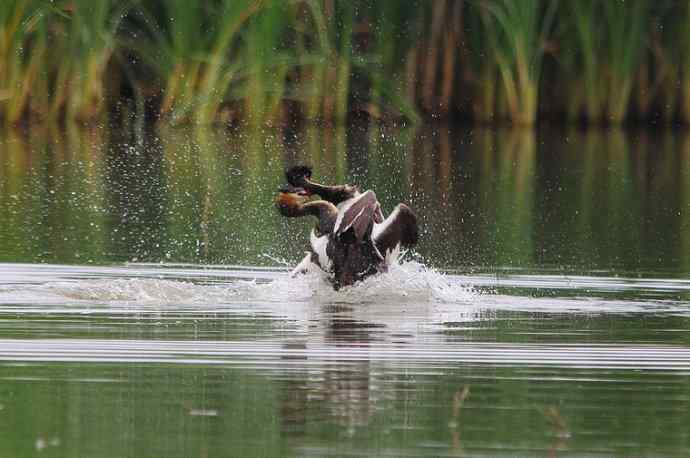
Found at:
(145, 309)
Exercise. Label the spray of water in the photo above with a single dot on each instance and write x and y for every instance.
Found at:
(407, 282)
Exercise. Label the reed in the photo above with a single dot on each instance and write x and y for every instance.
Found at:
(313, 47)
(225, 60)
(19, 65)
(241, 62)
(624, 25)
(520, 30)
(396, 29)
(583, 38)
(268, 65)
(334, 74)
(90, 30)
(194, 71)
(36, 76)
(343, 67)
(660, 76)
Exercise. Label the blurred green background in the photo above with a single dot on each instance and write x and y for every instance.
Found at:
(267, 61)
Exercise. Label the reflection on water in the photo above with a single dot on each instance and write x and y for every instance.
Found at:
(487, 199)
(189, 360)
(145, 309)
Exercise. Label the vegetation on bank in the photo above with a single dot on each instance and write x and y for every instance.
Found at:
(257, 61)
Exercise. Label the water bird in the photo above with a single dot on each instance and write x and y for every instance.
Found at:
(351, 239)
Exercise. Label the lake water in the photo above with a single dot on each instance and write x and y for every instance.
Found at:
(145, 308)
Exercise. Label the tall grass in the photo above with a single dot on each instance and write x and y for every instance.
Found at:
(268, 62)
(53, 57)
(19, 64)
(660, 77)
(582, 34)
(255, 60)
(194, 69)
(608, 42)
(89, 29)
(624, 24)
(395, 31)
(519, 32)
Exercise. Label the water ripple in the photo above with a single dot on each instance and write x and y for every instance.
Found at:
(647, 357)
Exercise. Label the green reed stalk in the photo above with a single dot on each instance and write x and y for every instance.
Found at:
(189, 49)
(570, 85)
(312, 84)
(624, 25)
(267, 63)
(173, 49)
(344, 60)
(663, 71)
(91, 41)
(389, 49)
(521, 30)
(392, 30)
(218, 74)
(239, 57)
(312, 52)
(584, 28)
(335, 90)
(20, 64)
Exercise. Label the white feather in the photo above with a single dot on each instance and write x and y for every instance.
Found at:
(319, 244)
(391, 255)
(343, 207)
(379, 228)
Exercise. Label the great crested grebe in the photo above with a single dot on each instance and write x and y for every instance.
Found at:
(351, 239)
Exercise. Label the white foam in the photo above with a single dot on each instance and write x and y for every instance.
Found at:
(112, 292)
(404, 282)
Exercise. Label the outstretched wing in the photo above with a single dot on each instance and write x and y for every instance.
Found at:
(399, 229)
(357, 215)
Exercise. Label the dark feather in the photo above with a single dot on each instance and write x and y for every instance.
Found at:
(358, 217)
(400, 228)
(296, 175)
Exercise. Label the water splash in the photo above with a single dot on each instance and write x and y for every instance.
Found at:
(408, 281)
(404, 283)
(139, 290)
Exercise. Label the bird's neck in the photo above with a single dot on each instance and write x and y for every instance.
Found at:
(325, 211)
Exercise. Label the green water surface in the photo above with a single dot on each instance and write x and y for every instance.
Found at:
(122, 334)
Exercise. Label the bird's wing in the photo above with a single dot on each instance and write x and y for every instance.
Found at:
(357, 215)
(399, 229)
